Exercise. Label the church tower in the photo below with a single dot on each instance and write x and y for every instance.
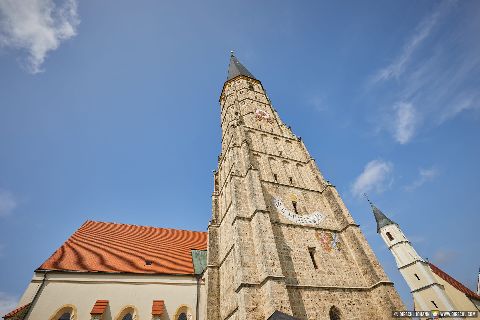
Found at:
(428, 293)
(281, 239)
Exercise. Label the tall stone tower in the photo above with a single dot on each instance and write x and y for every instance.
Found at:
(428, 293)
(280, 238)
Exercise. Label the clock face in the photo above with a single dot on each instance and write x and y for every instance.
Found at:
(313, 218)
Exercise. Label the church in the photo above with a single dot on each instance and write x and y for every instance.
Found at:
(281, 244)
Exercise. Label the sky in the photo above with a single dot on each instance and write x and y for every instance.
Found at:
(109, 112)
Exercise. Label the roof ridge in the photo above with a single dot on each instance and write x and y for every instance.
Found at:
(137, 225)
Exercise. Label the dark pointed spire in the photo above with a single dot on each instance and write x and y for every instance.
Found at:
(380, 217)
(236, 69)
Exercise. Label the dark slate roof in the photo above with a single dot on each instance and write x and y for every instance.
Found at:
(236, 69)
(277, 315)
(381, 219)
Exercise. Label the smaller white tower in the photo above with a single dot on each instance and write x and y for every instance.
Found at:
(478, 282)
(427, 293)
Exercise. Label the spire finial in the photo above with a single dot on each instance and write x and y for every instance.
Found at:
(366, 197)
(231, 53)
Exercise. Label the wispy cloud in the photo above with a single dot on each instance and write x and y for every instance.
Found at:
(37, 26)
(463, 102)
(7, 203)
(444, 256)
(318, 102)
(436, 73)
(416, 239)
(405, 121)
(376, 176)
(423, 30)
(424, 175)
(7, 303)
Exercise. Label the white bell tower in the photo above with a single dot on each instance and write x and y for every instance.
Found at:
(428, 293)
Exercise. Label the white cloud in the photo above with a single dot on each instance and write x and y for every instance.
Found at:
(37, 26)
(424, 175)
(423, 30)
(405, 122)
(7, 303)
(376, 176)
(7, 203)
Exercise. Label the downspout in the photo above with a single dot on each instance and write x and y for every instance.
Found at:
(197, 307)
(35, 297)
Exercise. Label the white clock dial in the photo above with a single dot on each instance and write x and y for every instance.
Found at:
(313, 218)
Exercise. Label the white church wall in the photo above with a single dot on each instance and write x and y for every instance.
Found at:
(82, 290)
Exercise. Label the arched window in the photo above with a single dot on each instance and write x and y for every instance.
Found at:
(184, 312)
(182, 316)
(128, 316)
(65, 316)
(128, 313)
(67, 312)
(334, 313)
(389, 236)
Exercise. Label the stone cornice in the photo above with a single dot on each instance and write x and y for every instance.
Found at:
(427, 286)
(399, 242)
(261, 283)
(411, 264)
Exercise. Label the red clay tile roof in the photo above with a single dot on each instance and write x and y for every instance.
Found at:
(114, 247)
(99, 307)
(18, 312)
(460, 287)
(158, 307)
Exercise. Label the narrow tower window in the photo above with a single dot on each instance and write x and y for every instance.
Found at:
(434, 304)
(389, 236)
(291, 180)
(334, 313)
(416, 275)
(294, 204)
(275, 177)
(311, 251)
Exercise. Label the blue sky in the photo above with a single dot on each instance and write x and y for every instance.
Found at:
(109, 111)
